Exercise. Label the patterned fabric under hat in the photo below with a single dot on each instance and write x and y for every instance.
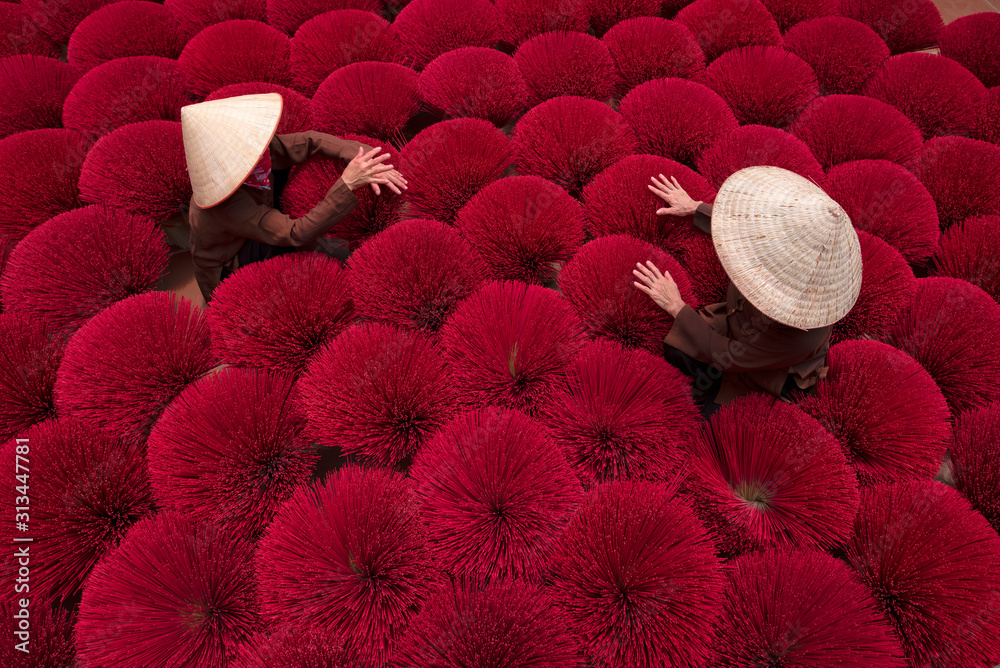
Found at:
(260, 177)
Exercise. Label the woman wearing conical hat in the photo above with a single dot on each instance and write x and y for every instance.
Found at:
(794, 263)
(231, 147)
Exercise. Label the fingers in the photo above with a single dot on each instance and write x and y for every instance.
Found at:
(662, 194)
(644, 282)
(653, 270)
(642, 269)
(667, 184)
(660, 275)
(365, 159)
(393, 180)
(376, 189)
(666, 212)
(400, 179)
(651, 273)
(372, 159)
(672, 186)
(660, 185)
(643, 288)
(361, 157)
(396, 181)
(644, 276)
(659, 190)
(375, 174)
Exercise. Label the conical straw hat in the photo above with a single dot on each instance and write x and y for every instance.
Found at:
(788, 248)
(223, 141)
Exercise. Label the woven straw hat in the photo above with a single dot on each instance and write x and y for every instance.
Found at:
(223, 141)
(788, 248)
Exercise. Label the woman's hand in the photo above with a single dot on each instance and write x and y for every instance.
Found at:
(660, 287)
(371, 168)
(671, 192)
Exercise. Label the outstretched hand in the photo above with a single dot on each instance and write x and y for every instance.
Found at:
(660, 287)
(372, 169)
(670, 191)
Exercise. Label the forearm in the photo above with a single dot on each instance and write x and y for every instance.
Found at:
(703, 218)
(297, 148)
(279, 229)
(693, 335)
(690, 334)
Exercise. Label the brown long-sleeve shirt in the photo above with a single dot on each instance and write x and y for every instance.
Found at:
(217, 233)
(754, 352)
